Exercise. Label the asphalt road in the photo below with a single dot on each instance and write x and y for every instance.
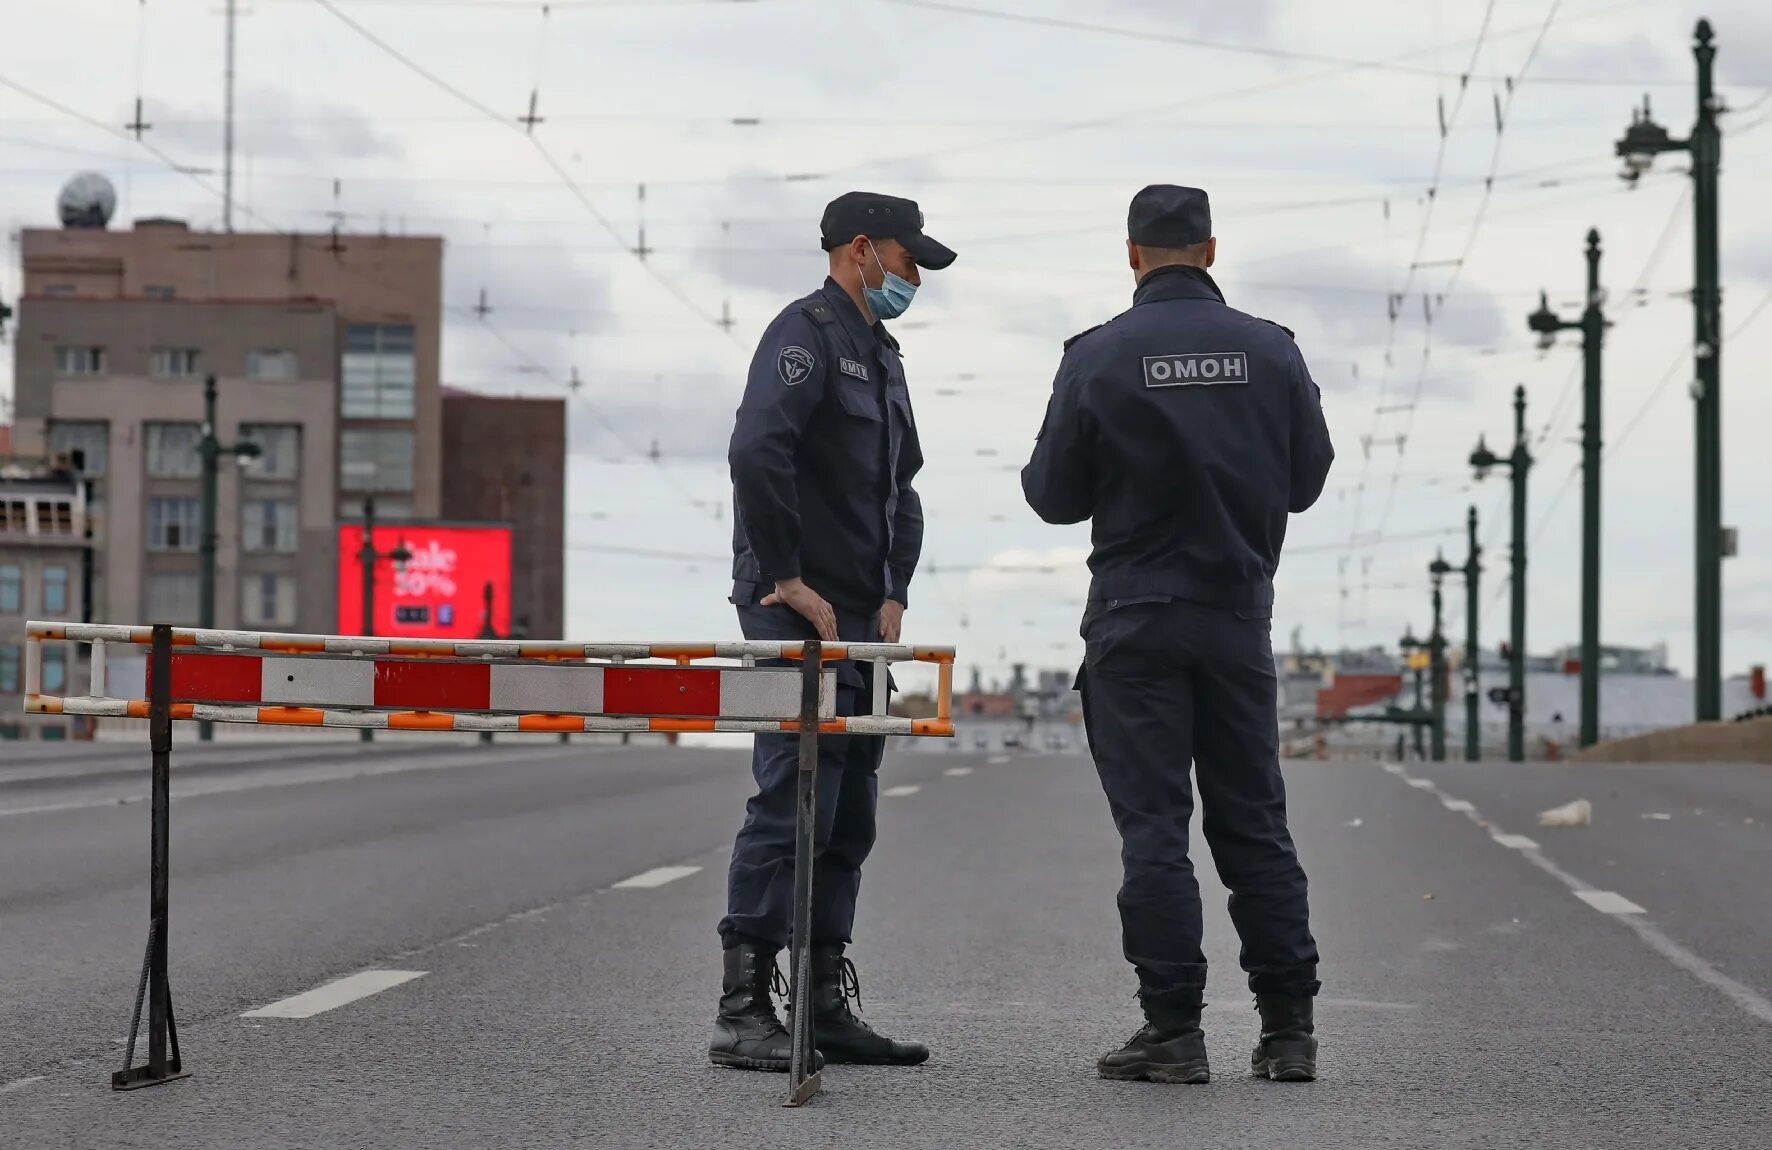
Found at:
(1472, 996)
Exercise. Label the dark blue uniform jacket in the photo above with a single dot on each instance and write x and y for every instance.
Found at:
(1187, 430)
(822, 459)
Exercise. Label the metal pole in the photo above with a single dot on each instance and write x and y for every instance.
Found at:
(209, 448)
(228, 130)
(160, 743)
(366, 556)
(1473, 749)
(1437, 670)
(803, 1081)
(1420, 699)
(1706, 147)
(1516, 663)
(1593, 334)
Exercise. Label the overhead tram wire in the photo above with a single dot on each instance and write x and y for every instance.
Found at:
(565, 178)
(1504, 109)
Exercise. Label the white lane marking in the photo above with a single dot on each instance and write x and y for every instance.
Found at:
(1459, 805)
(899, 792)
(333, 995)
(1421, 784)
(1749, 1000)
(1609, 902)
(1515, 842)
(655, 877)
(20, 1083)
(995, 759)
(1393, 768)
(957, 772)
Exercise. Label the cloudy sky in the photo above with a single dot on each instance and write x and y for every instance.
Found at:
(1022, 128)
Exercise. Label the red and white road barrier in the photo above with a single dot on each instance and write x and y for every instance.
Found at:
(443, 685)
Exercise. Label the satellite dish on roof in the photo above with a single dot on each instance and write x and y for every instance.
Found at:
(87, 201)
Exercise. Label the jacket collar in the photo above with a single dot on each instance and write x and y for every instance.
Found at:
(850, 314)
(1178, 281)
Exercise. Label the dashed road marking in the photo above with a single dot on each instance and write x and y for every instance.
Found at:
(1751, 1001)
(957, 772)
(1609, 902)
(899, 792)
(657, 876)
(333, 995)
(19, 1083)
(1459, 805)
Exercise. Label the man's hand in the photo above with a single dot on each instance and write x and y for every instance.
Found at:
(891, 620)
(809, 604)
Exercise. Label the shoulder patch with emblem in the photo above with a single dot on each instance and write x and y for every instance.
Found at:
(794, 364)
(1080, 335)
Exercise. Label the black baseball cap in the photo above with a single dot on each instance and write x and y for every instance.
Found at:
(882, 218)
(1167, 216)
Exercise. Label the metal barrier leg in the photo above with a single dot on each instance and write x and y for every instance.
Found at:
(164, 1063)
(802, 1085)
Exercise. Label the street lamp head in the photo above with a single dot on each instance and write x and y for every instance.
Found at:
(246, 454)
(400, 555)
(1483, 459)
(1545, 322)
(1642, 142)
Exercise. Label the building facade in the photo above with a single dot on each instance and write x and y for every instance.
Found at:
(325, 352)
(42, 562)
(507, 463)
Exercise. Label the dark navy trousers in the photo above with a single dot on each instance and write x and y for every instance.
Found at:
(760, 882)
(1166, 684)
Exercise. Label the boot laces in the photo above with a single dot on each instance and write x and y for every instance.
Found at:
(848, 985)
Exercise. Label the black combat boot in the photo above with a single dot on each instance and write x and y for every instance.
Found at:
(747, 1033)
(1171, 1047)
(839, 1034)
(1287, 1051)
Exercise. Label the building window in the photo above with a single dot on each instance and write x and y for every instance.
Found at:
(375, 460)
(173, 598)
(379, 373)
(173, 363)
(268, 525)
(55, 668)
(173, 524)
(15, 517)
(158, 291)
(92, 439)
(75, 361)
(267, 600)
(55, 590)
(271, 366)
(55, 517)
(279, 449)
(9, 662)
(175, 450)
(12, 590)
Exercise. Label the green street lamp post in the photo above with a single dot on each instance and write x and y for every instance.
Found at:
(1436, 642)
(1592, 325)
(367, 558)
(1518, 465)
(1642, 142)
(210, 450)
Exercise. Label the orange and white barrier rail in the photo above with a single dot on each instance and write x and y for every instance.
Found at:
(499, 685)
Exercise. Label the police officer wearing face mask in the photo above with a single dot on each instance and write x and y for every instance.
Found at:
(827, 538)
(1188, 431)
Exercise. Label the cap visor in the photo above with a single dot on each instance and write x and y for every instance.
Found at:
(927, 252)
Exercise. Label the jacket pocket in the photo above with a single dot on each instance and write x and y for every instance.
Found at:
(861, 401)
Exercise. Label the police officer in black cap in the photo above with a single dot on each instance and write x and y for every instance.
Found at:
(1188, 432)
(827, 539)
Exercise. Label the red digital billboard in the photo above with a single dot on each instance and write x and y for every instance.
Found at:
(440, 593)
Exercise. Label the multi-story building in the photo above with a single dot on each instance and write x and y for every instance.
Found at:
(325, 350)
(507, 463)
(42, 560)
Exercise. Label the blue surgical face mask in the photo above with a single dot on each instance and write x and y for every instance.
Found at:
(893, 296)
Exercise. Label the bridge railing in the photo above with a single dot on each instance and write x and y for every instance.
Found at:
(310, 681)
